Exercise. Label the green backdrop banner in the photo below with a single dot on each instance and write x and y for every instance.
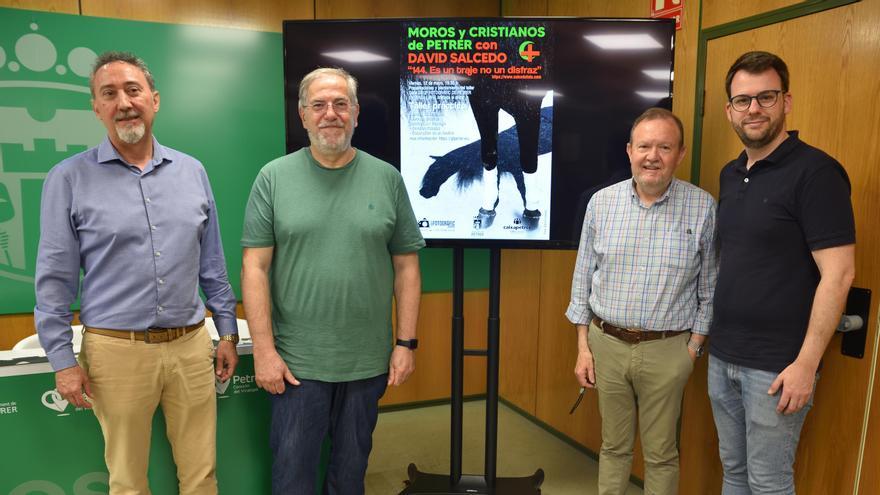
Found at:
(52, 447)
(222, 102)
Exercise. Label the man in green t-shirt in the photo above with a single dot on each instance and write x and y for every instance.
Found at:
(329, 237)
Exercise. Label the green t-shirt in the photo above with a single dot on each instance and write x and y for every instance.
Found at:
(332, 280)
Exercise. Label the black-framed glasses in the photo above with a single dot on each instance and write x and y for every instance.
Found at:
(766, 99)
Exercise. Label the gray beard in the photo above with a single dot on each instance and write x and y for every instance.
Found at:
(327, 147)
(131, 134)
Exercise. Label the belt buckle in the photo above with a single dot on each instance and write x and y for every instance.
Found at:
(155, 337)
(634, 335)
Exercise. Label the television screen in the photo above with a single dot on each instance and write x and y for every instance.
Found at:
(501, 128)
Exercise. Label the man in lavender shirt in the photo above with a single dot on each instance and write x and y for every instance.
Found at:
(139, 221)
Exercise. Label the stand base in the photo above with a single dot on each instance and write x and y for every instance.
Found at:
(440, 484)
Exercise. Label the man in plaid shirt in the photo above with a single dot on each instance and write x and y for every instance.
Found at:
(641, 300)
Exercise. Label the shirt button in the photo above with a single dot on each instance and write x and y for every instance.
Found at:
(746, 180)
(147, 200)
(158, 253)
(152, 227)
(161, 281)
(160, 309)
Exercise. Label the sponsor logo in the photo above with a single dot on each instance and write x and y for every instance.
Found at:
(238, 384)
(437, 225)
(53, 400)
(527, 51)
(45, 116)
(221, 387)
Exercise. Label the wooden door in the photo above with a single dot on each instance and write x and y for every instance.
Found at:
(834, 58)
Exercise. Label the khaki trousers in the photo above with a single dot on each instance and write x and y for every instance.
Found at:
(129, 380)
(645, 379)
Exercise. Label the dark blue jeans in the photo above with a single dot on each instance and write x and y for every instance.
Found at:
(302, 416)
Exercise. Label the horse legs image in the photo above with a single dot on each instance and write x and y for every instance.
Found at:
(486, 100)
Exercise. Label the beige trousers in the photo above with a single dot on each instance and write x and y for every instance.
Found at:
(129, 380)
(644, 381)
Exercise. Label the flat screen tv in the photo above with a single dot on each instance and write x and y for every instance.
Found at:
(546, 102)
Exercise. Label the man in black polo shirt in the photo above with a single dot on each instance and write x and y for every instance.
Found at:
(787, 235)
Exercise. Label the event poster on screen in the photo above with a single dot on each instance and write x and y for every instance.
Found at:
(475, 95)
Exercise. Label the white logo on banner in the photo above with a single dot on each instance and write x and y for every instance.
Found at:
(241, 384)
(51, 121)
(53, 400)
(221, 387)
(8, 407)
(84, 485)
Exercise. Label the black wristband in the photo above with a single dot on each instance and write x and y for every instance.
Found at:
(411, 344)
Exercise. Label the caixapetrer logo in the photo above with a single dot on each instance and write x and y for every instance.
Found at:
(45, 116)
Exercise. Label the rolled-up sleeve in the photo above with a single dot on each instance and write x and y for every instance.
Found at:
(579, 311)
(708, 273)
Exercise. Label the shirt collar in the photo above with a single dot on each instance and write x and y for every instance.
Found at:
(661, 199)
(775, 156)
(107, 153)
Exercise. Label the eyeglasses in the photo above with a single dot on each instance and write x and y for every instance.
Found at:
(339, 106)
(766, 99)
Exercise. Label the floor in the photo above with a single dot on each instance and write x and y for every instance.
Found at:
(421, 436)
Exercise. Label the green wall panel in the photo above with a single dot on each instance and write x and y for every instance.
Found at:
(221, 101)
(437, 269)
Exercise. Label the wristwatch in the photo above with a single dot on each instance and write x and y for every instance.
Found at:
(411, 344)
(697, 348)
(233, 337)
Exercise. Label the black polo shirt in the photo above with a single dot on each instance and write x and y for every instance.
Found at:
(770, 219)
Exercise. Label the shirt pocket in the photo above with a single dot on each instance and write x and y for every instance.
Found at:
(679, 249)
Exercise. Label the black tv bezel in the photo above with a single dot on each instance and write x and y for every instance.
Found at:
(548, 244)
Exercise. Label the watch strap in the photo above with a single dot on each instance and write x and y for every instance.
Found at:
(411, 344)
(697, 348)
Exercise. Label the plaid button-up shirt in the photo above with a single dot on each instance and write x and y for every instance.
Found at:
(652, 268)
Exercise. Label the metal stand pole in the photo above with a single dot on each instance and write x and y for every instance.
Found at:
(456, 483)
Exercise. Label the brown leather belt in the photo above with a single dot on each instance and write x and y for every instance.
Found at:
(634, 335)
(149, 336)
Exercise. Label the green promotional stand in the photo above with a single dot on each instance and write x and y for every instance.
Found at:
(53, 448)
